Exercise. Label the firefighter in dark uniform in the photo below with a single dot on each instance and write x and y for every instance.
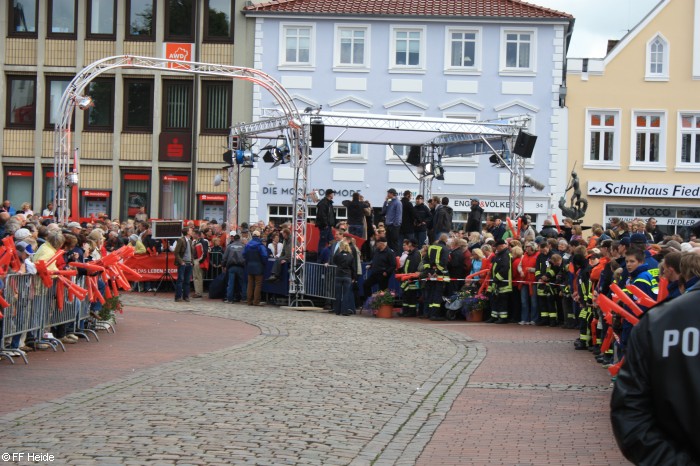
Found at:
(410, 287)
(436, 269)
(654, 406)
(541, 277)
(501, 283)
(585, 301)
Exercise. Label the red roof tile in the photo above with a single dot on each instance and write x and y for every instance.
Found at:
(458, 8)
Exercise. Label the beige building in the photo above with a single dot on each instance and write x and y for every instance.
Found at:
(153, 138)
(634, 121)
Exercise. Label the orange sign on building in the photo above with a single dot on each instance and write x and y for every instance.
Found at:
(178, 51)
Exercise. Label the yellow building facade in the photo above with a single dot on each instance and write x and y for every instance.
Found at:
(153, 139)
(634, 122)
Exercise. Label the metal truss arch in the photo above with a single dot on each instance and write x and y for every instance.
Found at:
(296, 133)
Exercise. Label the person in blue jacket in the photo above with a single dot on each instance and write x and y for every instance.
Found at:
(255, 254)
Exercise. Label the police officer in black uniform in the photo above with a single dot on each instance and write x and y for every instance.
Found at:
(654, 409)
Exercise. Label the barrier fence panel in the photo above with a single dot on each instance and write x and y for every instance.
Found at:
(215, 266)
(83, 313)
(319, 280)
(26, 312)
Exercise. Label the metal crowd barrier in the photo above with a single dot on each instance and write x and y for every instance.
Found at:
(25, 312)
(33, 309)
(215, 266)
(319, 280)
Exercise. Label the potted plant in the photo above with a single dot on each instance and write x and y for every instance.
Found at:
(382, 303)
(476, 307)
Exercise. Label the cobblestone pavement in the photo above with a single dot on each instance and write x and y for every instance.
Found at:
(313, 388)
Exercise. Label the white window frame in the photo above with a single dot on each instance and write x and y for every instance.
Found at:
(613, 164)
(661, 131)
(664, 75)
(518, 71)
(420, 67)
(351, 67)
(347, 158)
(283, 63)
(680, 165)
(390, 157)
(462, 161)
(475, 68)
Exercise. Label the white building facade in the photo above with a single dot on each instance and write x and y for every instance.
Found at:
(498, 59)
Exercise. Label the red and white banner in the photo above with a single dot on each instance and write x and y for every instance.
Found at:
(150, 267)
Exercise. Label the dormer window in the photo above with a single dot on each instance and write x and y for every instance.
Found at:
(657, 59)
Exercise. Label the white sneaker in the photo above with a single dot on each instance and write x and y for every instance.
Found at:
(522, 322)
(532, 322)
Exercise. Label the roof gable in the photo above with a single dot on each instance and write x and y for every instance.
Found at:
(452, 8)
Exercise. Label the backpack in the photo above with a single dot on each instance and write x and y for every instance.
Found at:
(456, 264)
(236, 257)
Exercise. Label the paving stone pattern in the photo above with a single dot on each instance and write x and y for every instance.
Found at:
(313, 388)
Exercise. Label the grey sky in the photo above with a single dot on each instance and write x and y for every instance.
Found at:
(599, 20)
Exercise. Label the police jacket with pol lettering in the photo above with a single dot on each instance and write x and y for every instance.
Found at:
(655, 406)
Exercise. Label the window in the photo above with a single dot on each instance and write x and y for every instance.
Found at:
(407, 48)
(459, 160)
(21, 103)
(394, 152)
(23, 17)
(174, 196)
(648, 138)
(518, 50)
(19, 185)
(135, 192)
(218, 26)
(603, 138)
(177, 104)
(138, 105)
(216, 108)
(141, 15)
(657, 59)
(101, 19)
(55, 87)
(280, 213)
(463, 51)
(62, 18)
(100, 117)
(689, 153)
(179, 21)
(297, 49)
(351, 46)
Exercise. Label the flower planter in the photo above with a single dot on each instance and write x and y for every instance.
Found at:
(476, 315)
(385, 311)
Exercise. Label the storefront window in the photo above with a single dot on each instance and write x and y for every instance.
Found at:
(136, 188)
(19, 186)
(670, 220)
(174, 197)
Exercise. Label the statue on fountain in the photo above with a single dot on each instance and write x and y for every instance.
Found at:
(578, 205)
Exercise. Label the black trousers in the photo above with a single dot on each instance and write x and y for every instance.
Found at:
(392, 237)
(375, 278)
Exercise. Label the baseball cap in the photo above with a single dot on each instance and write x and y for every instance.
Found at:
(256, 233)
(23, 246)
(134, 238)
(625, 241)
(73, 225)
(500, 241)
(232, 233)
(474, 199)
(391, 190)
(22, 233)
(638, 238)
(420, 196)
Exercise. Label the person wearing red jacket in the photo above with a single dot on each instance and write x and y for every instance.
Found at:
(525, 271)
